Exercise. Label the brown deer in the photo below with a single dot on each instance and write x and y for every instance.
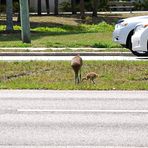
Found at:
(90, 76)
(76, 64)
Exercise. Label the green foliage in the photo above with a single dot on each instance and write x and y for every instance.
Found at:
(2, 27)
(16, 7)
(2, 8)
(101, 27)
(82, 28)
(103, 5)
(145, 4)
(65, 6)
(55, 30)
(138, 5)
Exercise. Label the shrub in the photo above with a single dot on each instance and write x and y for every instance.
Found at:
(65, 6)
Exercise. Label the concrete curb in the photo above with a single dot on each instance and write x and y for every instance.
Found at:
(65, 53)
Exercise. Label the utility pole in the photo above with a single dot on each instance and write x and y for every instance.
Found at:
(9, 13)
(25, 24)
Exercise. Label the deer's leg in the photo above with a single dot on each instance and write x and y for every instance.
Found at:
(80, 74)
(76, 78)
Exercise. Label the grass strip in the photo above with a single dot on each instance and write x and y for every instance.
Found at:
(58, 75)
(82, 35)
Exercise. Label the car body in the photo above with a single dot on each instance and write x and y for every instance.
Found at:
(140, 39)
(124, 30)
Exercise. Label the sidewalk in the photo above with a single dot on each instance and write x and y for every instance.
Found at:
(59, 52)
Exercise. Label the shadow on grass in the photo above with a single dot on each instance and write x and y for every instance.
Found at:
(16, 35)
(39, 30)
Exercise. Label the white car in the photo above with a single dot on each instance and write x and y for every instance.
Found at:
(140, 39)
(124, 30)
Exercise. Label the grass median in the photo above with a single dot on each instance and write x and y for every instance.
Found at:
(81, 35)
(58, 75)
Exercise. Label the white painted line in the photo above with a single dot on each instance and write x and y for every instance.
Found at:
(4, 146)
(83, 111)
(45, 146)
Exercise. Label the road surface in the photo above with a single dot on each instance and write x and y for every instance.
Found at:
(73, 118)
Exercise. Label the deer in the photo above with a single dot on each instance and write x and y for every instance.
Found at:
(76, 64)
(90, 76)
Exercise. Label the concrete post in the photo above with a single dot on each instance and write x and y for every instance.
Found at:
(25, 24)
(9, 13)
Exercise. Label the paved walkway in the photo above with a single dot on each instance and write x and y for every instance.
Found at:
(68, 58)
(57, 49)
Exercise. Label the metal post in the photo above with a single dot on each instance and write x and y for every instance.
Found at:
(25, 24)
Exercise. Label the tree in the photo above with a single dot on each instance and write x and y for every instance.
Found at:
(47, 7)
(82, 11)
(39, 7)
(73, 5)
(95, 7)
(56, 7)
(9, 13)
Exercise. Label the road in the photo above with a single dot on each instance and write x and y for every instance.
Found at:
(73, 118)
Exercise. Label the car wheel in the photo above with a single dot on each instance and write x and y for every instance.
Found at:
(129, 46)
(140, 54)
(128, 41)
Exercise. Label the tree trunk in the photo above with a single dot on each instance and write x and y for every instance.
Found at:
(73, 6)
(56, 7)
(95, 7)
(39, 7)
(82, 9)
(47, 7)
(18, 18)
(9, 13)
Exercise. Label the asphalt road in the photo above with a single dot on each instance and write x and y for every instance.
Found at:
(68, 58)
(73, 118)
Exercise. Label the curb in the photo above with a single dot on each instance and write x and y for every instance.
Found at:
(65, 53)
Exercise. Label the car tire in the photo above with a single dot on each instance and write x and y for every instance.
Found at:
(129, 46)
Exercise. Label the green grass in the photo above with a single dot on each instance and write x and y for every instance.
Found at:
(119, 75)
(81, 35)
(99, 40)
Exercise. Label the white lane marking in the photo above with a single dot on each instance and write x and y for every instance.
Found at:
(83, 111)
